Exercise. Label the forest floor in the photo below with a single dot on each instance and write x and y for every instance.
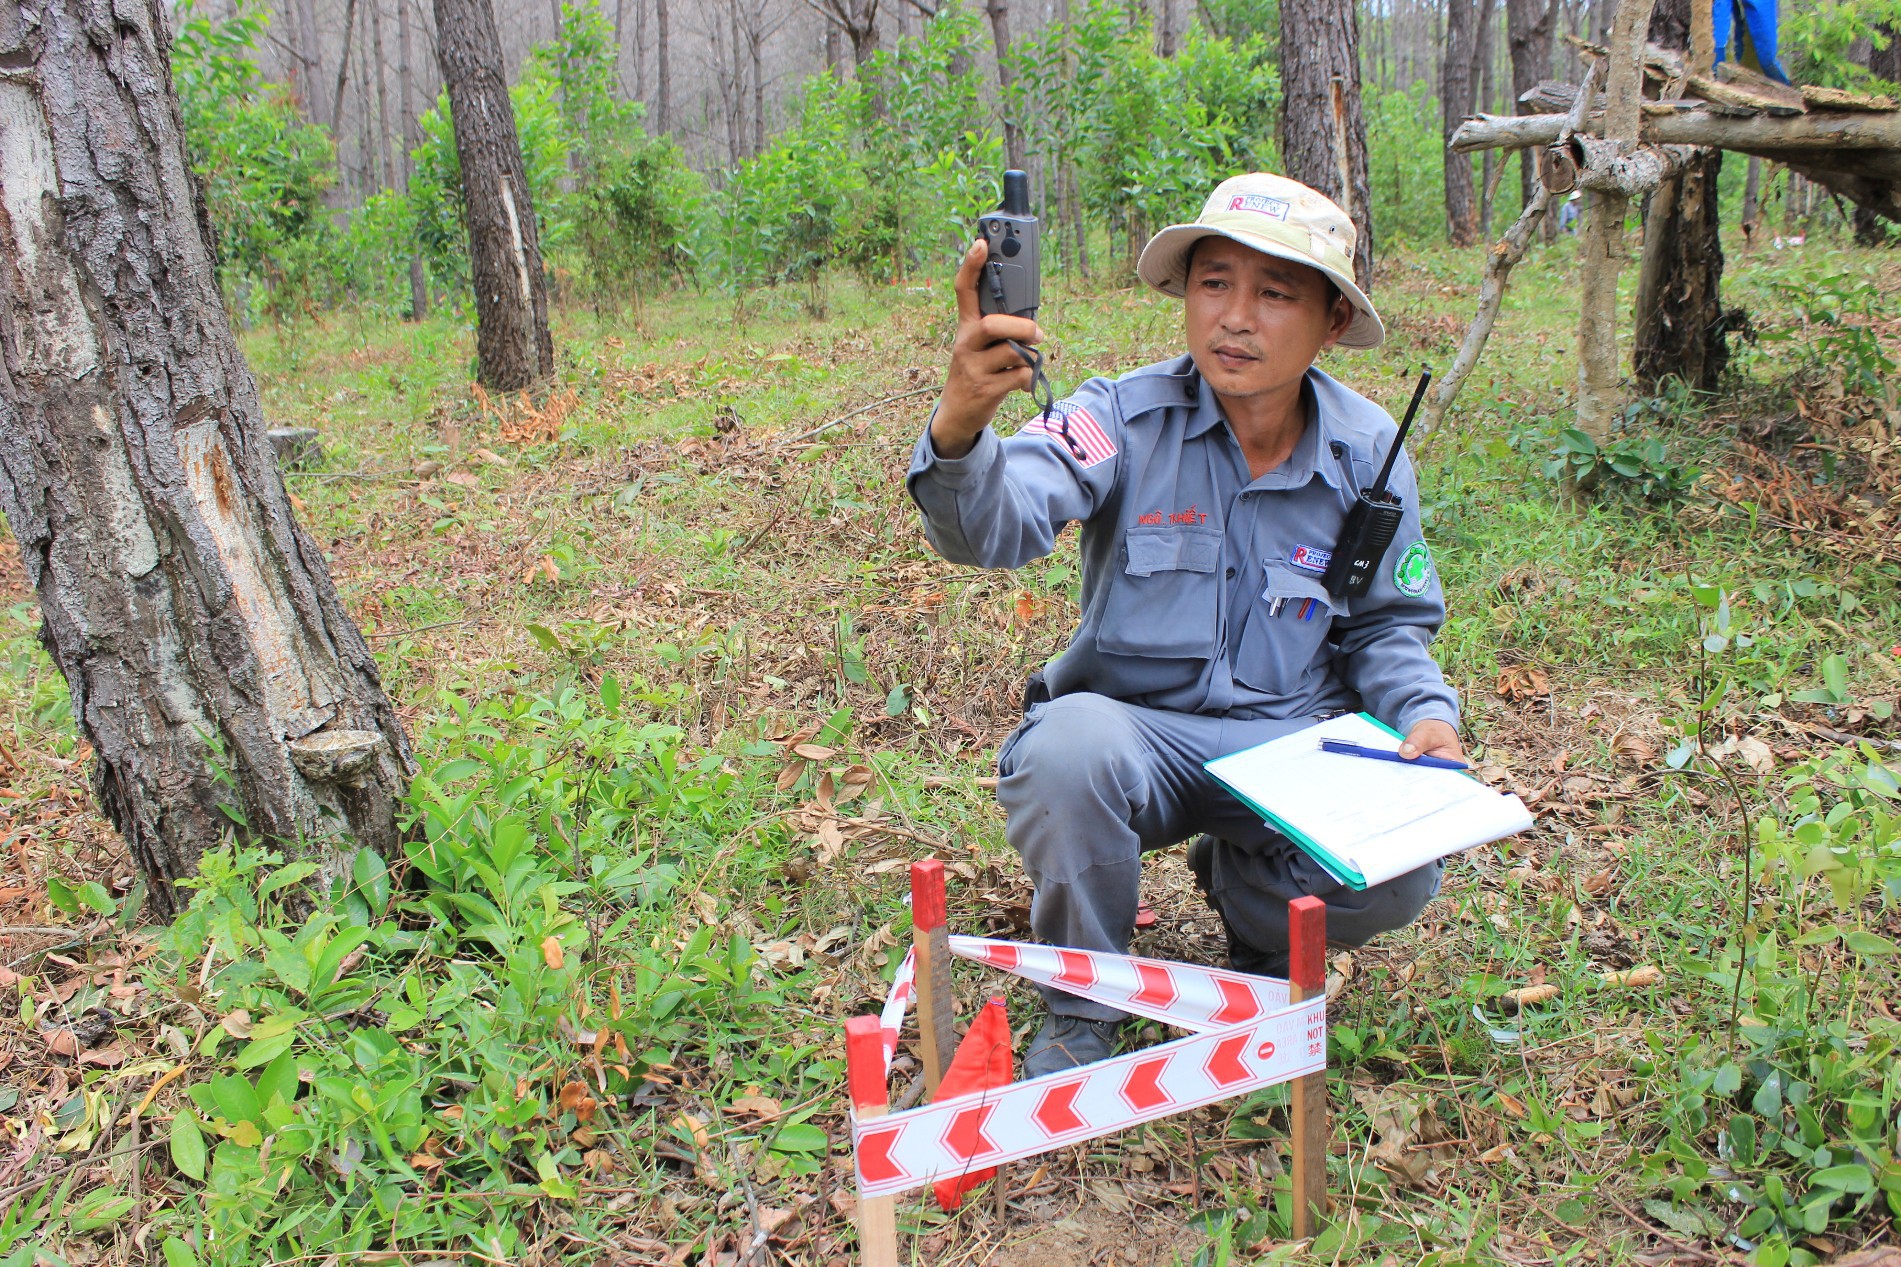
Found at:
(692, 692)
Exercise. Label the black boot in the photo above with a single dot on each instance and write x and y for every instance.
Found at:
(1069, 1042)
(1242, 957)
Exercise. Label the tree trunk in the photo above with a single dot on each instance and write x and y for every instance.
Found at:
(1680, 331)
(663, 67)
(1323, 128)
(343, 69)
(1455, 101)
(212, 667)
(1529, 25)
(412, 137)
(1487, 61)
(310, 37)
(1884, 63)
(1601, 249)
(1752, 201)
(1679, 309)
(1167, 35)
(382, 97)
(512, 343)
(999, 12)
(755, 38)
(834, 51)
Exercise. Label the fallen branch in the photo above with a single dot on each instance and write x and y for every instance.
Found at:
(1816, 135)
(1499, 262)
(827, 426)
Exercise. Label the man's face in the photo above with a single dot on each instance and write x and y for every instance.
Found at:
(1255, 323)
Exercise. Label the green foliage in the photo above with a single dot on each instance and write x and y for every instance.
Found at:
(1821, 40)
(264, 169)
(1806, 1118)
(1832, 330)
(395, 1040)
(1640, 466)
(1404, 167)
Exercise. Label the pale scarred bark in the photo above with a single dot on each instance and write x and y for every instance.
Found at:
(195, 623)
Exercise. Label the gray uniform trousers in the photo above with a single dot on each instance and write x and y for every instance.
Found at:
(1090, 783)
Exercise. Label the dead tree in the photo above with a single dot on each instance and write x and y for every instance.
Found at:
(1601, 249)
(1323, 126)
(1679, 330)
(213, 669)
(512, 345)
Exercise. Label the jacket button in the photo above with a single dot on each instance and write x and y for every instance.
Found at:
(1230, 574)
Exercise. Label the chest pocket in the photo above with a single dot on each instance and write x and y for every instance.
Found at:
(1286, 631)
(1163, 604)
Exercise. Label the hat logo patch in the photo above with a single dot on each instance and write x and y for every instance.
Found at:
(1275, 208)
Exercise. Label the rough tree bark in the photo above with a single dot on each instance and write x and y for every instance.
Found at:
(1323, 127)
(1487, 61)
(1679, 329)
(384, 159)
(412, 137)
(343, 69)
(663, 67)
(1886, 63)
(210, 660)
(512, 343)
(1528, 26)
(1455, 103)
(999, 14)
(1601, 249)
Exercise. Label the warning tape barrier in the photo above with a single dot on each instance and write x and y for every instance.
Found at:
(1246, 1036)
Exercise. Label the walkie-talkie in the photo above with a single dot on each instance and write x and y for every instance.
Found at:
(1372, 523)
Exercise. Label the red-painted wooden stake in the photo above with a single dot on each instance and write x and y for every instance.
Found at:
(1306, 979)
(865, 1081)
(930, 940)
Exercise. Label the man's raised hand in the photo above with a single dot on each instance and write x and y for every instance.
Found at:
(984, 367)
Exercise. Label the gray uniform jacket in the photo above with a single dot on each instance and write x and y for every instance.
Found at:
(1201, 586)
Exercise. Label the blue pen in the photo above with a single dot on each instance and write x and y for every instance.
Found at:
(1346, 749)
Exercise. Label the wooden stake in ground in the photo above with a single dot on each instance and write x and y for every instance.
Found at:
(212, 667)
(930, 942)
(865, 1077)
(1601, 253)
(1306, 979)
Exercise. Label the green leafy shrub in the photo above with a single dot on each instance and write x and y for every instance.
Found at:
(264, 170)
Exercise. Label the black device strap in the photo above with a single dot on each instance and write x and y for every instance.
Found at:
(1045, 397)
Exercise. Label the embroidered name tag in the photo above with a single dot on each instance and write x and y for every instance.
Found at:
(1310, 559)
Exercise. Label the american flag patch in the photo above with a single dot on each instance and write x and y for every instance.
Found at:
(1088, 442)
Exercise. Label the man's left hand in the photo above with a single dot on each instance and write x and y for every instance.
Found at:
(1432, 738)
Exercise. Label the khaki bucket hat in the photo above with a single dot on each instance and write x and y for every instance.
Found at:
(1279, 217)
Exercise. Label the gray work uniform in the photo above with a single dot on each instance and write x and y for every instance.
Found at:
(1204, 630)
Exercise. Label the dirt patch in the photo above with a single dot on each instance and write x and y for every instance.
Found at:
(1093, 1236)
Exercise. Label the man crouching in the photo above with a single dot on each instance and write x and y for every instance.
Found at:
(1210, 489)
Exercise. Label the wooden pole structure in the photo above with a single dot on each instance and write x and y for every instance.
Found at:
(1306, 979)
(865, 1079)
(930, 940)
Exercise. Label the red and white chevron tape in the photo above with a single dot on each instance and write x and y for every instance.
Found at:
(1246, 1036)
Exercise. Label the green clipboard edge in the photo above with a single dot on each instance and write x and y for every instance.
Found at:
(1333, 866)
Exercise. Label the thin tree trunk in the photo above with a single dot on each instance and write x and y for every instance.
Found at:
(343, 68)
(640, 50)
(1602, 251)
(512, 344)
(834, 50)
(1455, 98)
(754, 39)
(663, 67)
(213, 669)
(1752, 201)
(1323, 126)
(382, 96)
(310, 36)
(1487, 57)
(999, 14)
(1167, 36)
(412, 137)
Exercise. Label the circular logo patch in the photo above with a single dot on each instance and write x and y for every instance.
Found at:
(1413, 573)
